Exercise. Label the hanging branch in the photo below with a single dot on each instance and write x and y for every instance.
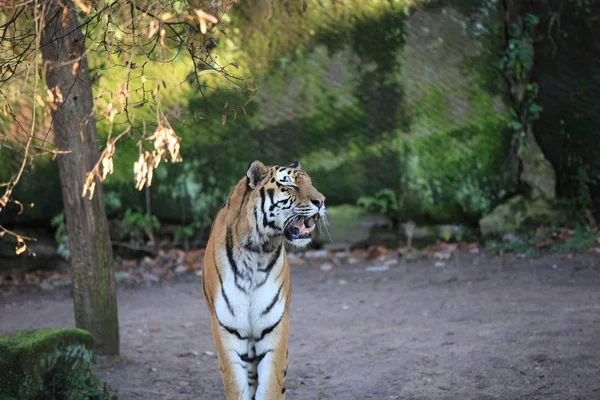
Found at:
(131, 35)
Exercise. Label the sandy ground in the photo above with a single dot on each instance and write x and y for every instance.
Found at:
(482, 327)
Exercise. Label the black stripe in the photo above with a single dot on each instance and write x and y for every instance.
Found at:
(263, 201)
(273, 260)
(262, 197)
(256, 220)
(232, 330)
(268, 330)
(279, 274)
(246, 195)
(252, 248)
(244, 357)
(271, 193)
(270, 246)
(222, 287)
(260, 357)
(273, 302)
(234, 267)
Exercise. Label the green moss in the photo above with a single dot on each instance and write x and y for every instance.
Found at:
(44, 363)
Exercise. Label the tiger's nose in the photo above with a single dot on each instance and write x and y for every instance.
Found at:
(318, 200)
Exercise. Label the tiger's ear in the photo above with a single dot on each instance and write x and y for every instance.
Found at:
(256, 173)
(295, 164)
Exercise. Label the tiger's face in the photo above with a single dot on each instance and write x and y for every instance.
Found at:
(287, 202)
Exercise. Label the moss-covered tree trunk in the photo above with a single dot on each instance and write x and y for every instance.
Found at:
(74, 125)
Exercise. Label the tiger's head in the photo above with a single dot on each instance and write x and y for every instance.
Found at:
(284, 202)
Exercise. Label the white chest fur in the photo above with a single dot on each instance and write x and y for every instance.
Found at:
(251, 298)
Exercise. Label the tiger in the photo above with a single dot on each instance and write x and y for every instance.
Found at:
(246, 275)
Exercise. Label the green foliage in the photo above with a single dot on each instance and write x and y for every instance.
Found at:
(186, 232)
(61, 235)
(582, 238)
(49, 364)
(384, 202)
(364, 106)
(458, 173)
(517, 63)
(136, 224)
(518, 58)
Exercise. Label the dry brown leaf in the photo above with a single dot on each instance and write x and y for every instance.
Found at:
(59, 95)
(50, 96)
(75, 68)
(153, 28)
(224, 118)
(203, 18)
(21, 208)
(21, 246)
(66, 17)
(225, 105)
(166, 16)
(163, 34)
(39, 100)
(86, 8)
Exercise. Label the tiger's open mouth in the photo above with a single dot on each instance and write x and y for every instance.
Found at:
(301, 228)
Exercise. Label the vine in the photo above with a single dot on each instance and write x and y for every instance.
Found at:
(516, 64)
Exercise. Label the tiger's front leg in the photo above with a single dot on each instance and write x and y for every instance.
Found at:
(234, 363)
(272, 362)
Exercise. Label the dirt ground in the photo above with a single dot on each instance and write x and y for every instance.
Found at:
(481, 327)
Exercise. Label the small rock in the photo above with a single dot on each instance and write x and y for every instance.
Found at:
(343, 282)
(377, 268)
(440, 264)
(353, 260)
(391, 261)
(180, 269)
(152, 369)
(326, 267)
(188, 354)
(345, 307)
(311, 255)
(209, 353)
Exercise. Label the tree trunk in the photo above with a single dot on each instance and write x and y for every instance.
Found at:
(94, 293)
